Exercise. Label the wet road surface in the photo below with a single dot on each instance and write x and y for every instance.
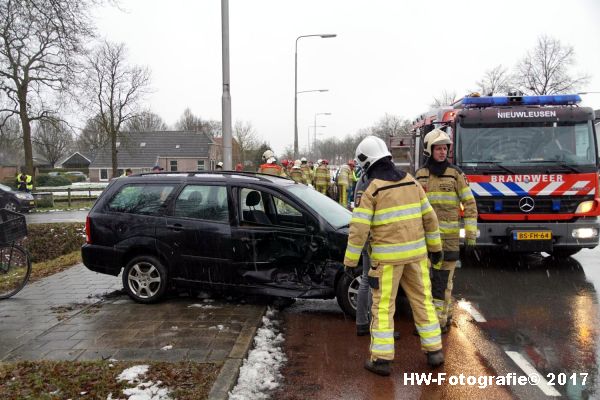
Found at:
(515, 315)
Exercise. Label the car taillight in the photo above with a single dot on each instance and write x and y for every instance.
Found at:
(88, 236)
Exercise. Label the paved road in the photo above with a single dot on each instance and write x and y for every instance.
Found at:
(533, 312)
(56, 216)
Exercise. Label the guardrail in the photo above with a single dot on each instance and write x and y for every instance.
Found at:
(69, 192)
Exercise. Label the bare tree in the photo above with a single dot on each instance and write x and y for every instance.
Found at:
(114, 90)
(495, 80)
(39, 42)
(11, 141)
(444, 99)
(190, 122)
(390, 125)
(545, 69)
(146, 121)
(52, 139)
(91, 139)
(244, 134)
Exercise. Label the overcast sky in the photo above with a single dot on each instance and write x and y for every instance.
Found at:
(388, 57)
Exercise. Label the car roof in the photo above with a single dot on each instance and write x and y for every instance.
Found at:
(209, 176)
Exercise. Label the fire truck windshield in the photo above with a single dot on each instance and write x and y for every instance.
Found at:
(521, 144)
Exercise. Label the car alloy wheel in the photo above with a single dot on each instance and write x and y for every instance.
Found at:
(145, 279)
(11, 206)
(346, 291)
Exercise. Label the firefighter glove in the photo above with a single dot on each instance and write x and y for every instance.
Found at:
(470, 242)
(436, 257)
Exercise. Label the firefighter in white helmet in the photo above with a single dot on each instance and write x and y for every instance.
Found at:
(296, 173)
(447, 189)
(306, 170)
(392, 212)
(270, 165)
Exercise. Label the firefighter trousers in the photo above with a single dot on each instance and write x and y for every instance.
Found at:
(322, 189)
(384, 280)
(442, 282)
(342, 195)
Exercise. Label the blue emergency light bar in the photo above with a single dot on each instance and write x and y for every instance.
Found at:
(547, 100)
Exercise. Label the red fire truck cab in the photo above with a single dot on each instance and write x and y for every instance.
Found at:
(532, 164)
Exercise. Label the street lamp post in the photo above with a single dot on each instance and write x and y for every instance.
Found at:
(315, 125)
(308, 135)
(323, 36)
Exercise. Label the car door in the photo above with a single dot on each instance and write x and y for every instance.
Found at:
(274, 244)
(198, 233)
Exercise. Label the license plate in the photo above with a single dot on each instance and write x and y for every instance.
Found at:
(532, 235)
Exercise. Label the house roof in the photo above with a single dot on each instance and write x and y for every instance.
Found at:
(75, 158)
(142, 149)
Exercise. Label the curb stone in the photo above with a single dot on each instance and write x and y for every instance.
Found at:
(230, 370)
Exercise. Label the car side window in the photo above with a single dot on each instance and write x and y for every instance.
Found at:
(252, 204)
(284, 208)
(140, 199)
(203, 202)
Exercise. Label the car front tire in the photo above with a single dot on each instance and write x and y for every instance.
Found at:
(346, 291)
(145, 279)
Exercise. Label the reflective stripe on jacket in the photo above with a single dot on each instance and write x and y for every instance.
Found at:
(271, 169)
(322, 176)
(446, 193)
(343, 177)
(402, 224)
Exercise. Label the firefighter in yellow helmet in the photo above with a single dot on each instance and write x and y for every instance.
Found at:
(392, 212)
(447, 189)
(322, 177)
(296, 173)
(344, 180)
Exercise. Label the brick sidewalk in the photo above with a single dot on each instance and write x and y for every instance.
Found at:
(81, 315)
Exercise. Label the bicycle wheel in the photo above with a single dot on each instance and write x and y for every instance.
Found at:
(15, 268)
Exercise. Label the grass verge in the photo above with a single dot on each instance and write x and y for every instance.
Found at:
(64, 206)
(98, 379)
(43, 269)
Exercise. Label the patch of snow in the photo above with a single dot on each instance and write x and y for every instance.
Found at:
(260, 373)
(174, 328)
(167, 347)
(205, 306)
(208, 300)
(218, 327)
(132, 373)
(144, 390)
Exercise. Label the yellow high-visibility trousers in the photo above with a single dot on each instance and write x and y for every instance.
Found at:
(343, 195)
(442, 282)
(322, 189)
(414, 278)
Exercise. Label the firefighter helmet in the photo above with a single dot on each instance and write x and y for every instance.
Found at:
(370, 150)
(435, 137)
(303, 160)
(267, 154)
(285, 162)
(319, 161)
(326, 162)
(351, 163)
(297, 164)
(220, 164)
(271, 160)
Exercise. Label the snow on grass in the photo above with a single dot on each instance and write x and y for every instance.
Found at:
(144, 390)
(260, 373)
(167, 347)
(204, 306)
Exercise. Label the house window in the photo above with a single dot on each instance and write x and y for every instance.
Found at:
(104, 174)
(201, 165)
(173, 164)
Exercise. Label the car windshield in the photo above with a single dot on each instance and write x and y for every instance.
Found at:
(5, 188)
(336, 215)
(526, 143)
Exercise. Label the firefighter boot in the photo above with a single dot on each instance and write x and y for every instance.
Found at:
(435, 358)
(379, 367)
(362, 330)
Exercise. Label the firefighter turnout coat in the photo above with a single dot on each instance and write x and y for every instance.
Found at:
(446, 193)
(402, 224)
(271, 169)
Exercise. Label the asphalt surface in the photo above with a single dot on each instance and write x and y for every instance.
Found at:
(513, 314)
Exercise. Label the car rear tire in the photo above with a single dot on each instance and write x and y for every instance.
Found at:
(346, 291)
(145, 279)
(11, 206)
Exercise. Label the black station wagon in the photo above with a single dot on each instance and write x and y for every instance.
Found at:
(251, 232)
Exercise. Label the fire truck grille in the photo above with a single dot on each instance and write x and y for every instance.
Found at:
(542, 204)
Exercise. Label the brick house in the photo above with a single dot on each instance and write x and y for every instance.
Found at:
(171, 150)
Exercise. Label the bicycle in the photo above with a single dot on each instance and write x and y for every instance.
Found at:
(15, 264)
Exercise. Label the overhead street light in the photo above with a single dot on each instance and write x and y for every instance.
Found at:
(322, 36)
(315, 125)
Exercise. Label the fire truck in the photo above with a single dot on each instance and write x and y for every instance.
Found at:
(532, 164)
